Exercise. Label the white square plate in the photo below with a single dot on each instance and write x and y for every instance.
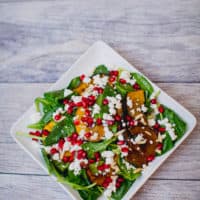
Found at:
(101, 53)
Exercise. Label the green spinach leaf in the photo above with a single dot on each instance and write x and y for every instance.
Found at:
(167, 144)
(75, 82)
(101, 69)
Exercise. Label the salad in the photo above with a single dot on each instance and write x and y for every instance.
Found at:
(99, 133)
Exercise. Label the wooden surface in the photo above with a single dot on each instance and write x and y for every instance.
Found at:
(39, 40)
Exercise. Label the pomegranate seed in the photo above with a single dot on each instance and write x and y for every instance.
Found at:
(100, 90)
(110, 122)
(57, 117)
(87, 135)
(98, 121)
(79, 142)
(79, 104)
(156, 126)
(160, 146)
(131, 123)
(128, 118)
(74, 136)
(105, 185)
(70, 110)
(150, 158)
(81, 154)
(91, 161)
(72, 104)
(65, 101)
(97, 156)
(121, 142)
(105, 101)
(69, 139)
(37, 133)
(153, 101)
(76, 122)
(45, 132)
(161, 109)
(71, 157)
(106, 166)
(118, 184)
(162, 129)
(114, 73)
(53, 151)
(117, 118)
(124, 149)
(65, 159)
(82, 77)
(61, 143)
(83, 164)
(136, 86)
(112, 78)
(122, 81)
(91, 98)
(108, 179)
(85, 104)
(120, 180)
(87, 112)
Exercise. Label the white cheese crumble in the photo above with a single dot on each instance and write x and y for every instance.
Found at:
(151, 122)
(129, 102)
(100, 81)
(168, 127)
(94, 136)
(67, 92)
(106, 116)
(108, 133)
(76, 99)
(96, 109)
(140, 139)
(127, 77)
(86, 79)
(144, 108)
(109, 157)
(75, 165)
(111, 188)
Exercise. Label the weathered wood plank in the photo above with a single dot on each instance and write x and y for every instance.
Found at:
(16, 98)
(43, 187)
(161, 39)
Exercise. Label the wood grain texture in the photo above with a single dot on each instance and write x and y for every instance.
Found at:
(22, 186)
(183, 164)
(161, 38)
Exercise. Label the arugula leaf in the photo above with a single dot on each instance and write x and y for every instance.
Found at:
(75, 82)
(123, 89)
(60, 166)
(127, 173)
(101, 69)
(60, 130)
(43, 121)
(92, 147)
(143, 82)
(118, 195)
(167, 144)
(180, 125)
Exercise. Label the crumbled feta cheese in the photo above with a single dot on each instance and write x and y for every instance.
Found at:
(155, 109)
(94, 136)
(144, 108)
(106, 116)
(100, 81)
(75, 165)
(86, 79)
(108, 133)
(67, 92)
(129, 102)
(151, 122)
(120, 137)
(111, 187)
(76, 99)
(96, 109)
(168, 127)
(128, 165)
(56, 156)
(127, 76)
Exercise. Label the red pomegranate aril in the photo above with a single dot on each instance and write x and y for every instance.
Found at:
(161, 109)
(97, 155)
(74, 136)
(45, 132)
(118, 185)
(108, 179)
(71, 157)
(100, 91)
(162, 129)
(121, 142)
(91, 161)
(65, 159)
(98, 121)
(110, 122)
(124, 149)
(131, 123)
(128, 118)
(72, 104)
(76, 122)
(83, 164)
(156, 126)
(92, 97)
(114, 73)
(79, 104)
(112, 78)
(79, 142)
(87, 112)
(82, 77)
(117, 118)
(80, 154)
(61, 143)
(65, 101)
(37, 133)
(70, 110)
(120, 180)
(85, 104)
(69, 139)
(106, 166)
(105, 102)
(160, 146)
(53, 151)
(150, 158)
(87, 135)
(57, 117)
(136, 86)
(105, 184)
(153, 101)
(122, 81)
